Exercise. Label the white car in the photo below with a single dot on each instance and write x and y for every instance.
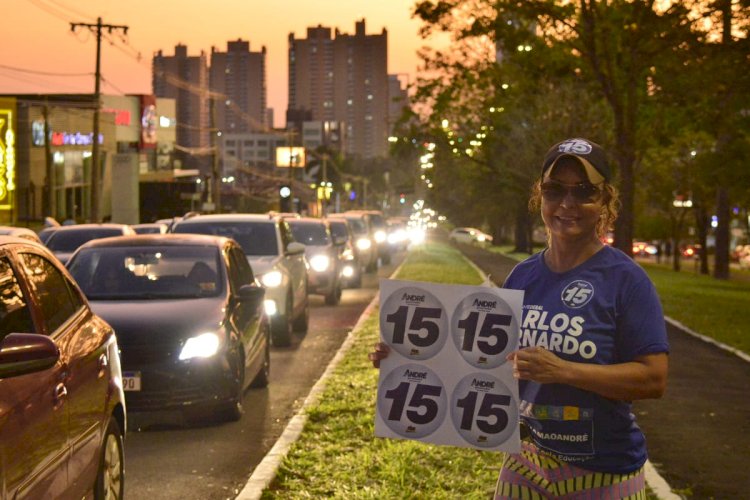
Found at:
(470, 236)
(275, 257)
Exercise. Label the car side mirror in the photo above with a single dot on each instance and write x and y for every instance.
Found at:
(251, 292)
(295, 248)
(22, 353)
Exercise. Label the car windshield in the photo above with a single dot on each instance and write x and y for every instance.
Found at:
(338, 229)
(310, 234)
(255, 238)
(358, 227)
(147, 273)
(69, 240)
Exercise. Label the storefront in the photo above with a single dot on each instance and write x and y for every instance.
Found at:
(51, 161)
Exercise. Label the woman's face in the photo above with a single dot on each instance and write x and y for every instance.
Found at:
(570, 218)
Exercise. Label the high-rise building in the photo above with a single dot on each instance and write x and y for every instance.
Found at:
(239, 76)
(398, 100)
(185, 79)
(343, 78)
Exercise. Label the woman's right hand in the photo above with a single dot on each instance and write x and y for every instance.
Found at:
(381, 352)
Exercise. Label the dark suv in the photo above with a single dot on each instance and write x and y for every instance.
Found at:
(61, 396)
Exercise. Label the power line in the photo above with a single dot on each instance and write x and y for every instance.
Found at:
(50, 10)
(46, 73)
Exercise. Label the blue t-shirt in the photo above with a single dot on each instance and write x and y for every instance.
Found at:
(604, 311)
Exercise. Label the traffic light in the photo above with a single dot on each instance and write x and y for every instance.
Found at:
(285, 198)
(402, 198)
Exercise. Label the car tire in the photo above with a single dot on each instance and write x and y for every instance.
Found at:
(302, 321)
(357, 283)
(281, 325)
(110, 478)
(263, 376)
(232, 410)
(334, 296)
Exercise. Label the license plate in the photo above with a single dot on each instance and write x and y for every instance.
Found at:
(131, 381)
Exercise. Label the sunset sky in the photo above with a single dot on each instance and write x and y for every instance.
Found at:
(36, 37)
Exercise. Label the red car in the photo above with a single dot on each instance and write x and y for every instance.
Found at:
(61, 398)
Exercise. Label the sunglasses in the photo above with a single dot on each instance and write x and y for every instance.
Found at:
(585, 192)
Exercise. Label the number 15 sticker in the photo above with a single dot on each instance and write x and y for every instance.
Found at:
(414, 323)
(481, 327)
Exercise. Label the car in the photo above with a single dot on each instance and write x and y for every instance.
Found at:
(691, 251)
(352, 269)
(380, 232)
(644, 249)
(364, 237)
(20, 232)
(189, 318)
(742, 254)
(322, 253)
(64, 240)
(62, 405)
(470, 236)
(398, 235)
(151, 228)
(275, 257)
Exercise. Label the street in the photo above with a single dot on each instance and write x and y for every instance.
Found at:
(166, 458)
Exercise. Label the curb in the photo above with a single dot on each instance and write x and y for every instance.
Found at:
(742, 355)
(266, 470)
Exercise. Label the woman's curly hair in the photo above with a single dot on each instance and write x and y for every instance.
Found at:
(610, 206)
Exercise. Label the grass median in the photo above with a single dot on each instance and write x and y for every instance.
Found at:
(338, 456)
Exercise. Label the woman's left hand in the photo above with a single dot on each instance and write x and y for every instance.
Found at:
(537, 364)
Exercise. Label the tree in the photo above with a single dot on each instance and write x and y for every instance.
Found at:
(615, 45)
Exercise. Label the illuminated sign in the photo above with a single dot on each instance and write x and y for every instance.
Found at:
(149, 121)
(290, 157)
(37, 132)
(7, 153)
(74, 139)
(122, 116)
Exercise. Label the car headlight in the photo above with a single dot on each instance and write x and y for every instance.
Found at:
(380, 236)
(348, 271)
(272, 279)
(347, 254)
(364, 243)
(204, 345)
(269, 305)
(320, 263)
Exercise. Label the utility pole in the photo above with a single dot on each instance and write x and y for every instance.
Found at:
(95, 174)
(215, 167)
(48, 167)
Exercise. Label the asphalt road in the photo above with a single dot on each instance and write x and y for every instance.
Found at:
(698, 434)
(167, 458)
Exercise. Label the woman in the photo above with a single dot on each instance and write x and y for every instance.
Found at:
(592, 340)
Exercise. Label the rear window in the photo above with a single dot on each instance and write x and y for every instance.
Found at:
(310, 234)
(68, 241)
(255, 238)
